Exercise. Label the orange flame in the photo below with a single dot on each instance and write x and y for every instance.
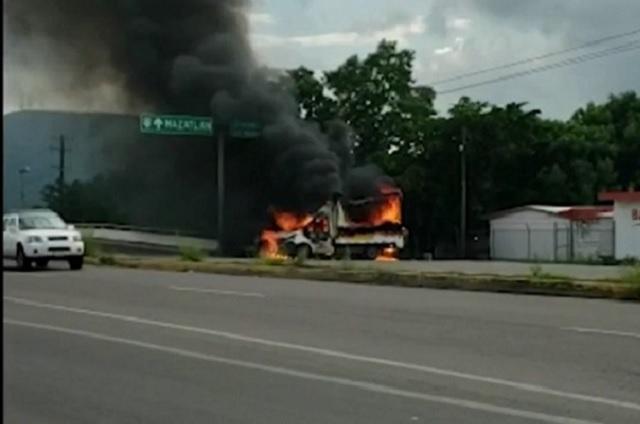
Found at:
(388, 254)
(389, 210)
(285, 221)
(288, 221)
(269, 244)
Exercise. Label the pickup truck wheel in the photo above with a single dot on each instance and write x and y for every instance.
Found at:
(24, 263)
(76, 263)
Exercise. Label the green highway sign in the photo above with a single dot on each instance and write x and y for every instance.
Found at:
(240, 129)
(176, 125)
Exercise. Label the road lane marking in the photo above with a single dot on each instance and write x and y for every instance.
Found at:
(607, 332)
(336, 354)
(215, 291)
(358, 384)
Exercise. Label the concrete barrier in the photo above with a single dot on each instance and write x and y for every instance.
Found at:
(131, 237)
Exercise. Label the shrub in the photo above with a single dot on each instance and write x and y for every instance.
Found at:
(539, 275)
(536, 270)
(107, 260)
(91, 247)
(275, 261)
(192, 254)
(632, 275)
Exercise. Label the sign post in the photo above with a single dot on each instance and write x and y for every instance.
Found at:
(220, 187)
(201, 126)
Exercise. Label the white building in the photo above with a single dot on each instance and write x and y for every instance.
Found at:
(627, 222)
(552, 233)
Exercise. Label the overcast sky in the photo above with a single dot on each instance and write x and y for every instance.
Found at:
(452, 37)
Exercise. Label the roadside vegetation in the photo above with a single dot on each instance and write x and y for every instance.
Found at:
(538, 282)
(538, 274)
(632, 275)
(192, 254)
(91, 247)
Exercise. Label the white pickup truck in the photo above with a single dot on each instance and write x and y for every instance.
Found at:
(39, 236)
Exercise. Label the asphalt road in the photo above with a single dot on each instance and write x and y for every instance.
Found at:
(121, 346)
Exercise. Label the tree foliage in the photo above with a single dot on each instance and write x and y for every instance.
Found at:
(514, 156)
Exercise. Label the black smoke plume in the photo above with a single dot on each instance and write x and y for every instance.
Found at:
(191, 57)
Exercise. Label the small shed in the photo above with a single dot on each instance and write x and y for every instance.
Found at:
(552, 233)
(627, 222)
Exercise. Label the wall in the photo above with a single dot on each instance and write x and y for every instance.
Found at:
(627, 230)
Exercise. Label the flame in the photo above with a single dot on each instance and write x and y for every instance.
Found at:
(389, 210)
(288, 221)
(269, 244)
(284, 221)
(388, 255)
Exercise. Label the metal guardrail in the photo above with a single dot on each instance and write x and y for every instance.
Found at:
(150, 230)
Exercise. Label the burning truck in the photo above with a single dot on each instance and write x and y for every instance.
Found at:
(368, 228)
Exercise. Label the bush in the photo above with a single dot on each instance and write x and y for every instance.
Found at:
(539, 275)
(632, 275)
(192, 254)
(275, 261)
(107, 260)
(91, 247)
(536, 270)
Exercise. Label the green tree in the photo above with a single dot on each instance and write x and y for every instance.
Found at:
(378, 98)
(314, 105)
(514, 156)
(88, 202)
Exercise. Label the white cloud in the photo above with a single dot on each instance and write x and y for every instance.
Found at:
(443, 50)
(399, 32)
(459, 23)
(458, 45)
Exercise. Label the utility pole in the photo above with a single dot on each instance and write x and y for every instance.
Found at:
(22, 171)
(221, 141)
(62, 152)
(463, 194)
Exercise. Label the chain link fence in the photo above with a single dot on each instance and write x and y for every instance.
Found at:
(560, 243)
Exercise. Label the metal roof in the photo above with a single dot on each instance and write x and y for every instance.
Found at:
(568, 212)
(620, 196)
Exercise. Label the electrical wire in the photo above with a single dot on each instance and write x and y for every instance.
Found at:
(588, 44)
(634, 45)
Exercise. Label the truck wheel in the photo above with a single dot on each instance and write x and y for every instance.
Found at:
(24, 263)
(342, 253)
(290, 249)
(372, 252)
(76, 263)
(42, 263)
(303, 252)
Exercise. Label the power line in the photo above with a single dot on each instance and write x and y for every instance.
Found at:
(536, 58)
(567, 62)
